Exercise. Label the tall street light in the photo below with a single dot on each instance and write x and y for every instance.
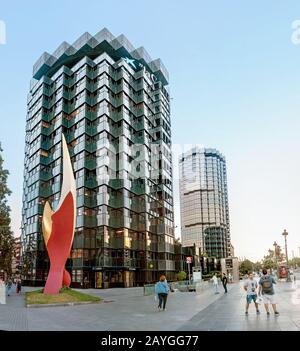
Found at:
(275, 255)
(288, 278)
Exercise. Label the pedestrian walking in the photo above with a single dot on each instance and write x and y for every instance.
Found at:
(266, 289)
(215, 283)
(224, 282)
(250, 286)
(19, 286)
(9, 286)
(162, 291)
(2, 292)
(86, 282)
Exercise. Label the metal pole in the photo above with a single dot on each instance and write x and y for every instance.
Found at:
(288, 278)
(189, 265)
(181, 259)
(286, 257)
(275, 253)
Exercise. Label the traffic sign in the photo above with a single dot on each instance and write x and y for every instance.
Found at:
(189, 259)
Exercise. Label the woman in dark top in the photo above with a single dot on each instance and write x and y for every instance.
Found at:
(224, 282)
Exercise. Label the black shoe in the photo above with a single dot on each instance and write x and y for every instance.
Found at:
(268, 314)
(246, 313)
(276, 313)
(257, 312)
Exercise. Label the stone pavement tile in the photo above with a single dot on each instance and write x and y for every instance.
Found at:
(119, 314)
(13, 315)
(228, 314)
(297, 322)
(130, 310)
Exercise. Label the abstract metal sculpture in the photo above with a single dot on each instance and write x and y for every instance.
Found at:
(58, 228)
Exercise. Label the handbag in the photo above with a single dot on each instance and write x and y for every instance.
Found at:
(259, 300)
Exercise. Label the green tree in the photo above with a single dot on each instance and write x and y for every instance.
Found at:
(257, 266)
(295, 262)
(181, 275)
(245, 266)
(269, 263)
(7, 243)
(280, 256)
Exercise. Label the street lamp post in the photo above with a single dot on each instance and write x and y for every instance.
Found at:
(285, 234)
(275, 255)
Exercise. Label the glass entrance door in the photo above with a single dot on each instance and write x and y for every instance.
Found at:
(129, 279)
(98, 280)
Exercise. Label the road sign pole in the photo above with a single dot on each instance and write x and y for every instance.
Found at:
(189, 261)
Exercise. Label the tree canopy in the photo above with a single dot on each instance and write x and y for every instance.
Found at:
(181, 275)
(7, 242)
(245, 266)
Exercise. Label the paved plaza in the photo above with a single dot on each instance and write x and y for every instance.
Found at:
(128, 309)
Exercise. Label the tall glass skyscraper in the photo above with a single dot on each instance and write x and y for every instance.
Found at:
(111, 102)
(204, 202)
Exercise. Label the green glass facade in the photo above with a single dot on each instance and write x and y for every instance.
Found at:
(111, 102)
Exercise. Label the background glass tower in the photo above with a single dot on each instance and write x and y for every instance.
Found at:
(204, 202)
(110, 101)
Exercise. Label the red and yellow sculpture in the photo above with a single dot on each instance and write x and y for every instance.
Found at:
(58, 228)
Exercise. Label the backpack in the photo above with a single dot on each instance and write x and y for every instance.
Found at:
(267, 285)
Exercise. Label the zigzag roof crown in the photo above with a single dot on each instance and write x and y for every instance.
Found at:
(92, 46)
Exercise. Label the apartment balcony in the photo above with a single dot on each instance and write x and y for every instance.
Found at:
(89, 201)
(115, 202)
(116, 183)
(91, 130)
(91, 182)
(45, 191)
(45, 175)
(46, 145)
(138, 139)
(47, 130)
(70, 136)
(46, 160)
(91, 146)
(91, 115)
(90, 163)
(90, 221)
(91, 100)
(139, 125)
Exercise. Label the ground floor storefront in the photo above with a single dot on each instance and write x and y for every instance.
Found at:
(104, 278)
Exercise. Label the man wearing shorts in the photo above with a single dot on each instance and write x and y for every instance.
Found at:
(266, 288)
(250, 286)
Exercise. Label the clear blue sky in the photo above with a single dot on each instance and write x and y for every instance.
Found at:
(234, 80)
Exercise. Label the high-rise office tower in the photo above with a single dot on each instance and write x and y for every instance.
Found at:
(204, 201)
(111, 102)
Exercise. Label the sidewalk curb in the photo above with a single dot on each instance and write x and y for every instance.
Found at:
(63, 304)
